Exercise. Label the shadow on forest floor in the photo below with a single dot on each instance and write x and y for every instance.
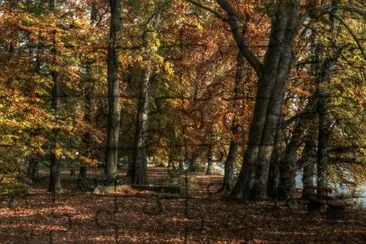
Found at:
(79, 217)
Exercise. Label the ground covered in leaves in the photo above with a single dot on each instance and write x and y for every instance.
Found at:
(82, 217)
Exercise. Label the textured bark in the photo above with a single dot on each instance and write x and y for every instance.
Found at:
(253, 178)
(114, 110)
(139, 162)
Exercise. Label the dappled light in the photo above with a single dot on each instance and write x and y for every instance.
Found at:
(182, 121)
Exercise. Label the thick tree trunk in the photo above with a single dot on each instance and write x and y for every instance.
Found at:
(253, 177)
(139, 162)
(323, 74)
(114, 111)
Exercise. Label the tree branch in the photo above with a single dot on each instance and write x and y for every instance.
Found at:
(351, 32)
(346, 8)
(217, 14)
(238, 37)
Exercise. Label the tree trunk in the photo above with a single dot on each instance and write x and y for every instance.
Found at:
(192, 164)
(307, 179)
(323, 73)
(323, 140)
(82, 172)
(88, 91)
(323, 82)
(114, 111)
(288, 163)
(209, 160)
(32, 170)
(233, 148)
(229, 166)
(274, 170)
(52, 5)
(253, 178)
(139, 162)
(55, 175)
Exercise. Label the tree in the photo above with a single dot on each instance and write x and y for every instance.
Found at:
(272, 76)
(114, 110)
(55, 175)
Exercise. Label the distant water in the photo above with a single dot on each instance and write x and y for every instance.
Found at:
(342, 189)
(361, 190)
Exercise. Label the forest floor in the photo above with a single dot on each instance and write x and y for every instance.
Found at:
(83, 217)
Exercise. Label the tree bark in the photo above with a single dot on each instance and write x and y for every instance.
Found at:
(88, 90)
(114, 110)
(139, 162)
(309, 156)
(209, 161)
(274, 170)
(323, 138)
(253, 178)
(229, 166)
(192, 163)
(32, 170)
(55, 175)
(288, 163)
(323, 81)
(233, 148)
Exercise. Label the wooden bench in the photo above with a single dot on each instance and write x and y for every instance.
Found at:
(321, 199)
